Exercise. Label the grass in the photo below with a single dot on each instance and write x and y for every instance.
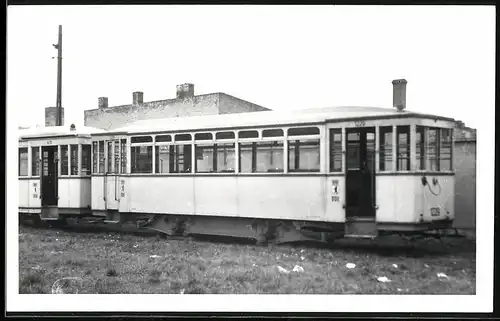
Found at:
(72, 262)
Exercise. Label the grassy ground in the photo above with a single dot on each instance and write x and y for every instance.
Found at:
(126, 263)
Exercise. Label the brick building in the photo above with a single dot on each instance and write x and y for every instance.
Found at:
(465, 178)
(185, 104)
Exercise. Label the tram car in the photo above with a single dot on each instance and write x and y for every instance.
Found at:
(54, 173)
(316, 174)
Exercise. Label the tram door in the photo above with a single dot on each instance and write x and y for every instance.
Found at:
(49, 176)
(111, 177)
(360, 174)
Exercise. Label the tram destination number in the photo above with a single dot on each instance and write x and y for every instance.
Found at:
(359, 123)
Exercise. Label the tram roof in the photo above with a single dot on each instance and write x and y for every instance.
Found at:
(58, 131)
(266, 118)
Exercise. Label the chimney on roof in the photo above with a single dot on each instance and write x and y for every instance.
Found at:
(103, 102)
(137, 98)
(185, 90)
(399, 93)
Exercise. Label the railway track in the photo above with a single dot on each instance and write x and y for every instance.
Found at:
(388, 247)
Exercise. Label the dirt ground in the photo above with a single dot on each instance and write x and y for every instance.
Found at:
(72, 261)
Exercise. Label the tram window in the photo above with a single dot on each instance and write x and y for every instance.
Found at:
(432, 149)
(110, 157)
(74, 159)
(420, 148)
(385, 147)
(142, 139)
(116, 156)
(123, 152)
(336, 150)
(403, 148)
(445, 150)
(224, 135)
(23, 161)
(64, 159)
(94, 157)
(215, 158)
(225, 155)
(261, 157)
(303, 156)
(203, 136)
(248, 134)
(304, 131)
(183, 137)
(35, 161)
(353, 152)
(101, 157)
(163, 159)
(142, 159)
(272, 133)
(180, 159)
(163, 138)
(85, 160)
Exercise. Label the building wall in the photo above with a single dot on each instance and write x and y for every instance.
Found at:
(465, 184)
(229, 104)
(118, 116)
(210, 104)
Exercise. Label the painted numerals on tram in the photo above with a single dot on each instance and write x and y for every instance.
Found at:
(335, 191)
(359, 123)
(122, 188)
(35, 190)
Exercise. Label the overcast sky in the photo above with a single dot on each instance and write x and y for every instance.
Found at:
(280, 57)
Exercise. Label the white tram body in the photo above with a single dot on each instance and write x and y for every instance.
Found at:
(54, 172)
(355, 171)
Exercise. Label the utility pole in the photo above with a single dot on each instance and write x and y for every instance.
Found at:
(58, 46)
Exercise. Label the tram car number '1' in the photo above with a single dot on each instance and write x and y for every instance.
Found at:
(335, 190)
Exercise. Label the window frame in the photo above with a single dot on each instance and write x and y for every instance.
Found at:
(19, 167)
(335, 150)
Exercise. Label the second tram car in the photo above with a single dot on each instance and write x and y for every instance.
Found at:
(312, 174)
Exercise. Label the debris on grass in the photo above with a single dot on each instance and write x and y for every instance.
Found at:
(298, 269)
(395, 266)
(350, 265)
(154, 256)
(383, 279)
(425, 265)
(442, 275)
(58, 289)
(282, 270)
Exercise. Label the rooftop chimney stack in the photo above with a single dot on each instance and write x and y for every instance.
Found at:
(399, 93)
(103, 102)
(185, 90)
(137, 98)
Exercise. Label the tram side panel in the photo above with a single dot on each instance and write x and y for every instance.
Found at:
(24, 192)
(283, 197)
(159, 195)
(33, 197)
(395, 196)
(267, 197)
(437, 197)
(98, 203)
(74, 193)
(335, 199)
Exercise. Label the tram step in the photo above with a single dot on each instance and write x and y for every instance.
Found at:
(50, 213)
(111, 222)
(361, 229)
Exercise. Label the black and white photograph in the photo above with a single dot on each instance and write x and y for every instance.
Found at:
(250, 158)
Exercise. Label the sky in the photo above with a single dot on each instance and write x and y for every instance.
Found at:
(280, 57)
